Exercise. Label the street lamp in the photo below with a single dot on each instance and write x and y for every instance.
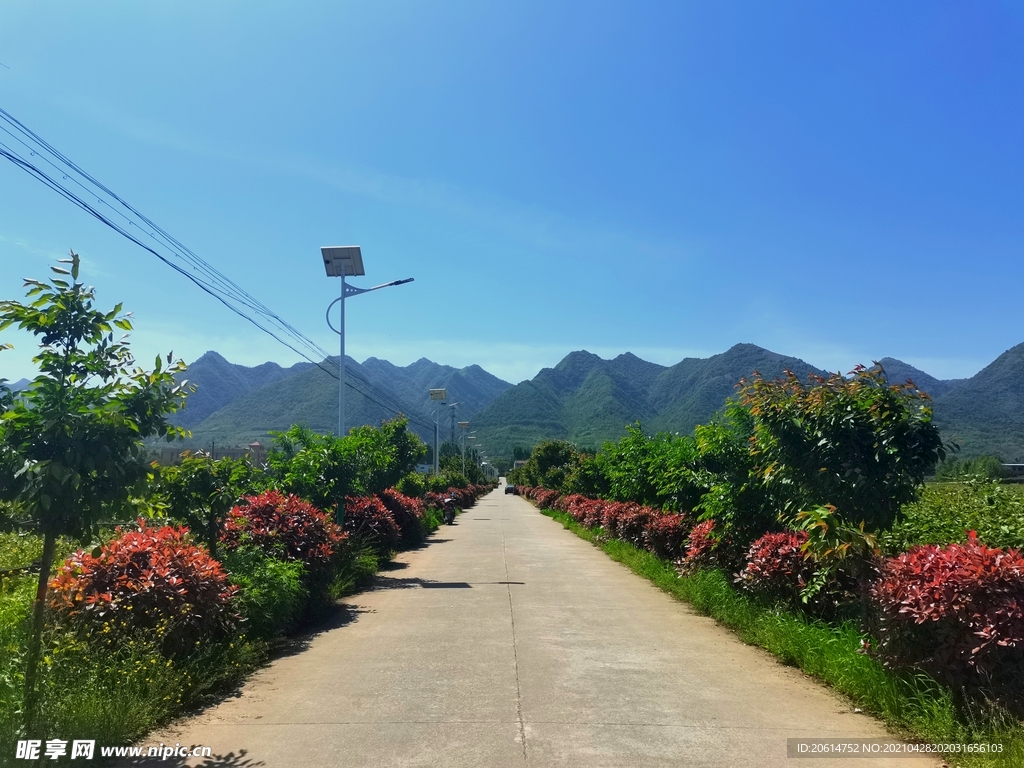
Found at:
(464, 425)
(439, 395)
(452, 413)
(346, 261)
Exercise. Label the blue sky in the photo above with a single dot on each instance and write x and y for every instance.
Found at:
(838, 182)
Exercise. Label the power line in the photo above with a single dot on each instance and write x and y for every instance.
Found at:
(79, 187)
(50, 182)
(394, 408)
(180, 258)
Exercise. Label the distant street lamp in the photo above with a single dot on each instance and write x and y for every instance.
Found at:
(438, 395)
(464, 425)
(346, 261)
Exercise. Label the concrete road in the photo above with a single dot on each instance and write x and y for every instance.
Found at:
(508, 641)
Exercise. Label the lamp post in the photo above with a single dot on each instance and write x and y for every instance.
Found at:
(346, 261)
(439, 395)
(452, 414)
(463, 426)
(476, 456)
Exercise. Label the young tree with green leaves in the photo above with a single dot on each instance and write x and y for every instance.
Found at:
(548, 465)
(859, 444)
(200, 492)
(325, 469)
(71, 451)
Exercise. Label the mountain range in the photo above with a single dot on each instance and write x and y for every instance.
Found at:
(243, 404)
(587, 400)
(584, 398)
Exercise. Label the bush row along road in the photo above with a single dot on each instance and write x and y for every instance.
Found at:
(508, 641)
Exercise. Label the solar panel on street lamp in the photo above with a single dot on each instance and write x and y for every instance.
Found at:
(344, 260)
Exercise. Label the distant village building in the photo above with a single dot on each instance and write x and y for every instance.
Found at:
(518, 463)
(256, 452)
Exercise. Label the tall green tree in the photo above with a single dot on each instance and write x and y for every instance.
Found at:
(548, 465)
(859, 444)
(453, 463)
(325, 469)
(71, 451)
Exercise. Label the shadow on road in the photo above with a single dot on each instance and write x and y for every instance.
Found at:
(229, 760)
(334, 617)
(381, 583)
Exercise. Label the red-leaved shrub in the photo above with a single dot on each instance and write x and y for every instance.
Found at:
(700, 543)
(776, 566)
(593, 512)
(153, 580)
(957, 612)
(283, 526)
(464, 497)
(563, 502)
(545, 498)
(368, 520)
(610, 512)
(627, 521)
(407, 512)
(665, 535)
(575, 505)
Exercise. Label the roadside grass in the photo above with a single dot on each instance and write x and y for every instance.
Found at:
(115, 698)
(356, 570)
(432, 519)
(916, 706)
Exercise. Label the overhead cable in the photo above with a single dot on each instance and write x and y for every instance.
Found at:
(79, 187)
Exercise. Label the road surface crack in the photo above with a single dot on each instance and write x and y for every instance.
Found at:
(515, 652)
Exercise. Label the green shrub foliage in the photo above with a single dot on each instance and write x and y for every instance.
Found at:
(412, 485)
(71, 451)
(946, 511)
(859, 443)
(986, 467)
(325, 469)
(710, 474)
(549, 465)
(271, 594)
(199, 492)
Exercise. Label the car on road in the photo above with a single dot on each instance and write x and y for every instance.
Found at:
(511, 489)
